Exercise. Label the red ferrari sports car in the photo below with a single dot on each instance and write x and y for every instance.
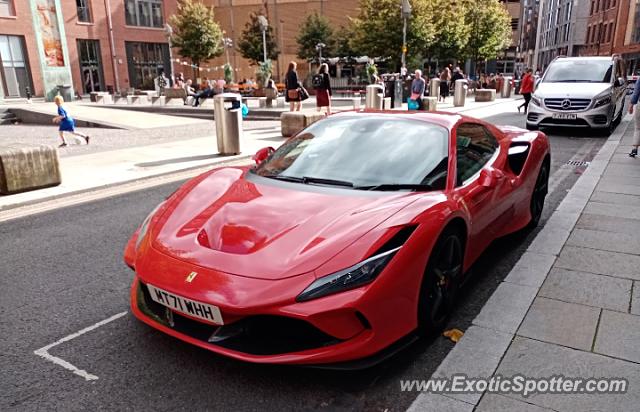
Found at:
(341, 246)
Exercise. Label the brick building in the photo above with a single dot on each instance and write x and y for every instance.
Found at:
(285, 16)
(88, 44)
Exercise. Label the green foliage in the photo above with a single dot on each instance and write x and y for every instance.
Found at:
(344, 44)
(228, 73)
(452, 34)
(263, 73)
(313, 30)
(250, 45)
(489, 29)
(378, 28)
(372, 70)
(195, 31)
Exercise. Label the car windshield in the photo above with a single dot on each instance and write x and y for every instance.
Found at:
(579, 71)
(364, 152)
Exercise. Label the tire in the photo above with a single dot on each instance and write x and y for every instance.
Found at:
(538, 195)
(531, 127)
(441, 282)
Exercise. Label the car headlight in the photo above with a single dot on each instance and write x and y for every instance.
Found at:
(602, 100)
(536, 100)
(145, 225)
(350, 278)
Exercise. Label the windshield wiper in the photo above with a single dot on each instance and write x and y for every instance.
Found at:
(309, 179)
(323, 181)
(418, 187)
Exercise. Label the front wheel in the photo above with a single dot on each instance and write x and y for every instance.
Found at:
(440, 283)
(531, 127)
(539, 194)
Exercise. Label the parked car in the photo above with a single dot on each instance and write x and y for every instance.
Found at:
(344, 244)
(584, 92)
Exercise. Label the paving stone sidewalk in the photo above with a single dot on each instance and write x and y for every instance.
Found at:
(570, 306)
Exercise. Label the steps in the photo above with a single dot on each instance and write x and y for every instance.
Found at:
(7, 117)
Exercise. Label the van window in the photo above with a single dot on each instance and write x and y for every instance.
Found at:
(579, 71)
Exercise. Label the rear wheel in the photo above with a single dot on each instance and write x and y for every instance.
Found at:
(441, 282)
(539, 194)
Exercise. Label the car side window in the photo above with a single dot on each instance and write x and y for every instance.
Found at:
(474, 147)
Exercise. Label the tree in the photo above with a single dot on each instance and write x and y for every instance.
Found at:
(453, 33)
(250, 45)
(195, 32)
(378, 28)
(489, 30)
(344, 47)
(313, 30)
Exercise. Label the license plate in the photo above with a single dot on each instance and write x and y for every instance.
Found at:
(186, 306)
(565, 116)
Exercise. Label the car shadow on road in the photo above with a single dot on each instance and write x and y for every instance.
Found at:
(179, 160)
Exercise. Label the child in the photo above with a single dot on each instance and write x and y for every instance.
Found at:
(66, 122)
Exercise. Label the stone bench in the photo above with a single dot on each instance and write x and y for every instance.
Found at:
(355, 101)
(430, 104)
(386, 103)
(103, 99)
(485, 95)
(175, 94)
(157, 100)
(136, 99)
(265, 102)
(292, 122)
(28, 167)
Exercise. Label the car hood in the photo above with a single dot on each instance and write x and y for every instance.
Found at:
(256, 227)
(570, 90)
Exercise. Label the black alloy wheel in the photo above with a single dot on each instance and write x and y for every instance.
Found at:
(539, 194)
(441, 283)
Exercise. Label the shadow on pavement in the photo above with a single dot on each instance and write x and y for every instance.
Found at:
(178, 160)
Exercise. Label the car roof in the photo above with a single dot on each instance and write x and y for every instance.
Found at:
(600, 58)
(444, 119)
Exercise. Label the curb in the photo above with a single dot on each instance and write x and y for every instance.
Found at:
(138, 183)
(481, 349)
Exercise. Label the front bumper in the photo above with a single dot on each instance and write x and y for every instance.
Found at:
(595, 118)
(262, 321)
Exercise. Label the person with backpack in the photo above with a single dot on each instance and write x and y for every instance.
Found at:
(322, 84)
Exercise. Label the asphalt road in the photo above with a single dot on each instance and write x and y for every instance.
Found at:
(62, 271)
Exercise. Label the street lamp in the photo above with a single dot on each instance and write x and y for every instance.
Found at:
(406, 13)
(319, 48)
(264, 25)
(169, 31)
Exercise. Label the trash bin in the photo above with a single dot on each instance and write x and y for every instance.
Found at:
(64, 90)
(374, 97)
(434, 87)
(398, 95)
(227, 109)
(460, 92)
(505, 93)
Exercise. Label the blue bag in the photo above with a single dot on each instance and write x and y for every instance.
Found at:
(245, 110)
(413, 104)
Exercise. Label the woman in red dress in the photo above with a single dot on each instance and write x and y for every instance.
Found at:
(323, 90)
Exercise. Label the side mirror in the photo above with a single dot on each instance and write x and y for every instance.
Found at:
(262, 154)
(619, 82)
(489, 177)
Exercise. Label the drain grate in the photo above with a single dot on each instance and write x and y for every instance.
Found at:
(577, 163)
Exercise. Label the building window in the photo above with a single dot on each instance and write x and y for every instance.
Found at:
(514, 24)
(146, 13)
(14, 66)
(146, 61)
(6, 8)
(90, 66)
(84, 11)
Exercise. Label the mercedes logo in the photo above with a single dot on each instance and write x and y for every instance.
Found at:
(566, 104)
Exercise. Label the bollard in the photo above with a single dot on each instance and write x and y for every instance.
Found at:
(374, 97)
(460, 92)
(505, 92)
(434, 87)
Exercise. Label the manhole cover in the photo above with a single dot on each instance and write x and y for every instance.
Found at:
(578, 163)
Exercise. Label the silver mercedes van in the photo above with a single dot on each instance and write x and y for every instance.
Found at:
(587, 92)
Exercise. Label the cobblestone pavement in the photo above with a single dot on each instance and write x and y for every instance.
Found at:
(103, 139)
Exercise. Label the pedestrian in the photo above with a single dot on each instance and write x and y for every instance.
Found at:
(417, 88)
(636, 118)
(445, 78)
(457, 75)
(322, 84)
(161, 82)
(526, 88)
(66, 122)
(293, 86)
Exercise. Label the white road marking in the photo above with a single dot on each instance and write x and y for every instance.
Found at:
(44, 351)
